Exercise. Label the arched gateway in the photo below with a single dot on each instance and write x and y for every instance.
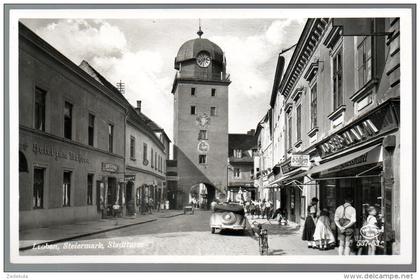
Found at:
(202, 195)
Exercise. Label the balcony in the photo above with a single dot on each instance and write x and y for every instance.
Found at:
(217, 77)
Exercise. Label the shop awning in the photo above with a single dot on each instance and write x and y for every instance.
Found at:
(359, 158)
(300, 172)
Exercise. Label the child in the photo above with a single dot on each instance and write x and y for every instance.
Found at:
(323, 234)
(371, 220)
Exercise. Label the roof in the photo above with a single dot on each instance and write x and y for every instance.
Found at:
(191, 48)
(242, 142)
(277, 77)
(132, 112)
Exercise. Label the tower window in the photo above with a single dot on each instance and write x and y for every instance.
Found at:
(212, 111)
(202, 135)
(193, 110)
(202, 159)
(237, 173)
(192, 91)
(213, 92)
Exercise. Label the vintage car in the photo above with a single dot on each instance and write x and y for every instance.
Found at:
(227, 216)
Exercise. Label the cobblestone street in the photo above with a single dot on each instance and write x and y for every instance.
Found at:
(180, 235)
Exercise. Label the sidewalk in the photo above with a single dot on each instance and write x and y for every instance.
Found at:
(286, 240)
(59, 233)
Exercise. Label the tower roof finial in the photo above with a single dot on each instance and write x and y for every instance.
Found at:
(199, 32)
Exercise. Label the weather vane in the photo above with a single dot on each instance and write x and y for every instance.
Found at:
(199, 32)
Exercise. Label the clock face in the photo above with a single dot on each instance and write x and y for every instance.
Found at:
(203, 59)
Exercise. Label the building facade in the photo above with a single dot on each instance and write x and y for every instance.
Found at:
(242, 148)
(77, 143)
(340, 98)
(263, 168)
(68, 124)
(146, 150)
(201, 99)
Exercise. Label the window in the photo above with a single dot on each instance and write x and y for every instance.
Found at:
(145, 154)
(110, 138)
(213, 92)
(299, 122)
(202, 135)
(202, 159)
(289, 133)
(90, 189)
(66, 188)
(364, 61)
(212, 111)
(192, 110)
(237, 153)
(40, 109)
(314, 106)
(156, 161)
(237, 173)
(68, 111)
(192, 91)
(91, 129)
(132, 147)
(338, 79)
(38, 191)
(151, 157)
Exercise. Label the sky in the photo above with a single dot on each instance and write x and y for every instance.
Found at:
(141, 53)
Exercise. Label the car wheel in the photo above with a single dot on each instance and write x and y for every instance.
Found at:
(213, 230)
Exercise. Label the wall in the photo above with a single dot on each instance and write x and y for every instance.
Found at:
(42, 66)
(186, 130)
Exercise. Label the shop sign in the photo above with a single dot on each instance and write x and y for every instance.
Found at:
(300, 161)
(378, 122)
(109, 167)
(286, 168)
(129, 178)
(52, 151)
(373, 156)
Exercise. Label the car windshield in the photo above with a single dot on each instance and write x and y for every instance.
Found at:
(236, 208)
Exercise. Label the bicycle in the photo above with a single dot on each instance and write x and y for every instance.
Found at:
(262, 239)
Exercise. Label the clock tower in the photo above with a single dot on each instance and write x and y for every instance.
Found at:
(201, 97)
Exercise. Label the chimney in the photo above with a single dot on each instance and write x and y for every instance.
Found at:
(138, 108)
(251, 132)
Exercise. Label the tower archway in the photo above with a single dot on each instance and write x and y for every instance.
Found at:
(202, 194)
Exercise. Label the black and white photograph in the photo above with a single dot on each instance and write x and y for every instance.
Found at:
(211, 135)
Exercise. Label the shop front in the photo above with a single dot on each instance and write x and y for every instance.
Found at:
(242, 192)
(364, 167)
(62, 182)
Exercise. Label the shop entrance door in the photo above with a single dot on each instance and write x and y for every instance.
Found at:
(112, 191)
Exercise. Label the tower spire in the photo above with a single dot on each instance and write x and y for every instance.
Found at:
(199, 32)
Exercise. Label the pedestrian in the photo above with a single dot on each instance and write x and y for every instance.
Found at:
(252, 209)
(323, 235)
(267, 209)
(309, 226)
(262, 208)
(344, 218)
(150, 205)
(372, 221)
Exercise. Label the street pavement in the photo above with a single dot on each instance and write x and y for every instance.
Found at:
(286, 239)
(179, 235)
(170, 233)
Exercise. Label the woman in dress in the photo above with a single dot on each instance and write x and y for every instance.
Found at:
(309, 227)
(323, 235)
